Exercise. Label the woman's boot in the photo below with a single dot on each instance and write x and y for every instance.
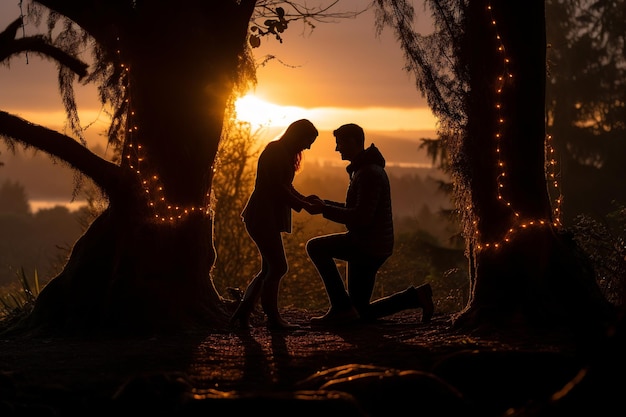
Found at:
(241, 316)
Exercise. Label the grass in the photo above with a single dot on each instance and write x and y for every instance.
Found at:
(17, 301)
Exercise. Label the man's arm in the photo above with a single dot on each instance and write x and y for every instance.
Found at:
(367, 188)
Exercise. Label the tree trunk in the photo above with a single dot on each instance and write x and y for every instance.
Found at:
(525, 269)
(134, 276)
(144, 265)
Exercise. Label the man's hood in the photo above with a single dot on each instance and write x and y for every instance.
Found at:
(370, 155)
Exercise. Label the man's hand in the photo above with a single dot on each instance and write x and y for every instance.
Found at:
(315, 204)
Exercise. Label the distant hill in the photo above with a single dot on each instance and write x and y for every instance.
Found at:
(398, 148)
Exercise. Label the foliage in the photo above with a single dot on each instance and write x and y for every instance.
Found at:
(272, 20)
(586, 90)
(440, 64)
(236, 255)
(37, 241)
(18, 300)
(604, 242)
(433, 58)
(420, 258)
(274, 27)
(13, 198)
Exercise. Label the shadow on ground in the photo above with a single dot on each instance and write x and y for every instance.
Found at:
(397, 366)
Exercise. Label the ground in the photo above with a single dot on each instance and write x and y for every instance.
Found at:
(364, 370)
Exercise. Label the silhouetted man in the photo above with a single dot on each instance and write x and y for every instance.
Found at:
(367, 243)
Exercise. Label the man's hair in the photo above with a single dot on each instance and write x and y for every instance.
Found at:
(350, 131)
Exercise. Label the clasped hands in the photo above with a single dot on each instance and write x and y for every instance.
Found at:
(315, 204)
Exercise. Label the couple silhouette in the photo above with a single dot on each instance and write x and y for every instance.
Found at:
(365, 246)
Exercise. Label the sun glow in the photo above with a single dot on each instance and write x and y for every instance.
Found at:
(259, 112)
(262, 113)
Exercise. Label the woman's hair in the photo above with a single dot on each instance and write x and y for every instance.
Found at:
(297, 129)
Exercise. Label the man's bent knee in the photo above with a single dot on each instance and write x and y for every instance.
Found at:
(312, 246)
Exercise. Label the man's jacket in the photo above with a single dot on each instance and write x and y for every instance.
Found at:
(367, 211)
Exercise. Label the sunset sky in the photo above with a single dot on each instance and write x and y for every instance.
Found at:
(340, 72)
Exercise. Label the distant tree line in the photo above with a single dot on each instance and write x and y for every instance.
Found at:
(586, 105)
(37, 241)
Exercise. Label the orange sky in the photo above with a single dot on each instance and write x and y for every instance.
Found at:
(338, 73)
(345, 65)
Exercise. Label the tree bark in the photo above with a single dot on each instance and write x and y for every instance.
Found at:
(526, 269)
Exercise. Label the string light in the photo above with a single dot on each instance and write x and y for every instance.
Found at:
(163, 210)
(519, 224)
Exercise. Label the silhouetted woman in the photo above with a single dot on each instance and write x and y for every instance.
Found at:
(268, 213)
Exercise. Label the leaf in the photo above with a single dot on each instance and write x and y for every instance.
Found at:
(255, 41)
(37, 289)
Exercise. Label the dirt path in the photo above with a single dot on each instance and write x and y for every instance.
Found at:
(52, 375)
